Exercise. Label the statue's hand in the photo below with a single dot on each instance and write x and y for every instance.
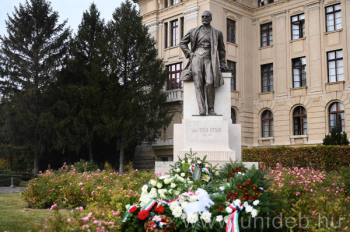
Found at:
(224, 68)
(192, 54)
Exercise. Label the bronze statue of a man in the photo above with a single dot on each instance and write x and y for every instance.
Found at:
(207, 59)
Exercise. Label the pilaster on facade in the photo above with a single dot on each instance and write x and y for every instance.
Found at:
(153, 26)
(191, 13)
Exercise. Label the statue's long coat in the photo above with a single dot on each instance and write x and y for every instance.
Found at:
(218, 53)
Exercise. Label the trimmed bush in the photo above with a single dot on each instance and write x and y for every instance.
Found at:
(327, 158)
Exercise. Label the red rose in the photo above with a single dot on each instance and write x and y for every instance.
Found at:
(244, 197)
(236, 168)
(159, 209)
(257, 193)
(251, 198)
(236, 193)
(240, 186)
(221, 208)
(229, 194)
(230, 173)
(133, 209)
(245, 192)
(248, 182)
(233, 198)
(143, 214)
(254, 187)
(240, 168)
(233, 169)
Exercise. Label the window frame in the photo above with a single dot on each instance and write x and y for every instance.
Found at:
(231, 25)
(166, 4)
(266, 31)
(300, 67)
(174, 36)
(333, 12)
(269, 70)
(300, 123)
(166, 35)
(269, 120)
(177, 77)
(233, 74)
(337, 113)
(336, 67)
(301, 32)
(182, 33)
(174, 2)
(233, 116)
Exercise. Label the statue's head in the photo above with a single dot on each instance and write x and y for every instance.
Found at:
(206, 17)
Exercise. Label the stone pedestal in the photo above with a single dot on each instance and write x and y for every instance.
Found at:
(212, 136)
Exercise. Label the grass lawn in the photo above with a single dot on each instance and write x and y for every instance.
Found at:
(14, 216)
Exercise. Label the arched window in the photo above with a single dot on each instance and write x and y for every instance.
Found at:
(233, 116)
(300, 121)
(336, 116)
(267, 124)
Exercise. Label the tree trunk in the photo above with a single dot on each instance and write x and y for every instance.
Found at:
(91, 152)
(121, 156)
(36, 162)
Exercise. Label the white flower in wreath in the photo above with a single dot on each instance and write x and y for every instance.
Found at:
(183, 161)
(192, 218)
(229, 210)
(199, 162)
(256, 202)
(166, 181)
(219, 218)
(173, 185)
(144, 188)
(177, 212)
(239, 173)
(249, 208)
(254, 213)
(183, 174)
(245, 204)
(227, 203)
(153, 182)
(159, 185)
(178, 170)
(170, 191)
(192, 198)
(127, 206)
(207, 166)
(206, 216)
(183, 204)
(189, 161)
(226, 218)
(238, 202)
(222, 188)
(164, 177)
(183, 216)
(174, 205)
(177, 192)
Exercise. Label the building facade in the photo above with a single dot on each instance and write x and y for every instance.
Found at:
(289, 60)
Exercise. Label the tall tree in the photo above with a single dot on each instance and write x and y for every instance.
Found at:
(30, 56)
(132, 109)
(87, 64)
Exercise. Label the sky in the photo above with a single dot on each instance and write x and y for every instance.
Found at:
(67, 9)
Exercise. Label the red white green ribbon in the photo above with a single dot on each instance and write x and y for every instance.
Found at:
(206, 170)
(127, 214)
(191, 168)
(232, 223)
(158, 222)
(149, 205)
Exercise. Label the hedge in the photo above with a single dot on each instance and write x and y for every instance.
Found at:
(327, 158)
(5, 180)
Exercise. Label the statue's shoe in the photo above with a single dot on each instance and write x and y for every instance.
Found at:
(202, 113)
(212, 113)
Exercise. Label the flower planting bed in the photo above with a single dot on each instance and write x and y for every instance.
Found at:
(195, 196)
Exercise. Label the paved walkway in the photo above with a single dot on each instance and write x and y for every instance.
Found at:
(4, 190)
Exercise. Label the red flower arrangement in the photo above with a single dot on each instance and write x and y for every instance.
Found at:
(248, 182)
(229, 194)
(159, 209)
(254, 187)
(245, 188)
(244, 198)
(236, 193)
(133, 209)
(251, 197)
(245, 192)
(143, 214)
(257, 193)
(221, 208)
(240, 186)
(233, 198)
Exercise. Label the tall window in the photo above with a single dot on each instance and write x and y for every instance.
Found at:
(300, 121)
(166, 35)
(233, 116)
(182, 27)
(333, 17)
(174, 76)
(264, 2)
(231, 31)
(267, 78)
(299, 72)
(174, 32)
(232, 65)
(298, 26)
(266, 34)
(173, 2)
(165, 3)
(336, 117)
(267, 124)
(335, 66)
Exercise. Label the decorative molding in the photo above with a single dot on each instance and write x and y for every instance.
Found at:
(316, 89)
(191, 13)
(282, 94)
(332, 2)
(232, 17)
(153, 26)
(266, 21)
(239, 15)
(312, 6)
(254, 20)
(297, 12)
(279, 15)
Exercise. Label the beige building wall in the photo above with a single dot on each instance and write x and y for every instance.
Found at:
(248, 100)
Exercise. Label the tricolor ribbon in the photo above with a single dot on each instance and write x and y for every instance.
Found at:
(191, 168)
(149, 205)
(158, 222)
(127, 214)
(206, 170)
(232, 223)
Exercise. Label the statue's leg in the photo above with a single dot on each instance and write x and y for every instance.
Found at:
(198, 78)
(209, 85)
